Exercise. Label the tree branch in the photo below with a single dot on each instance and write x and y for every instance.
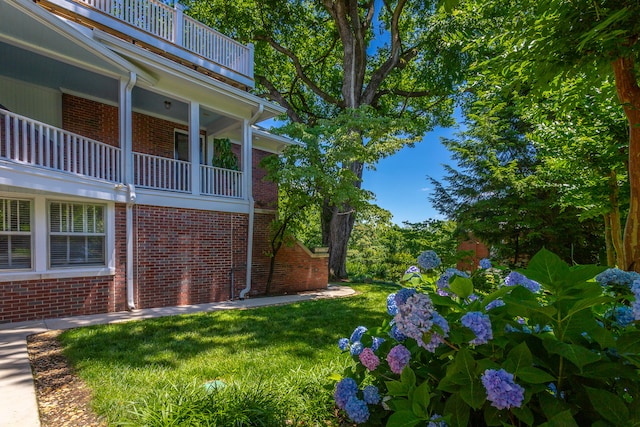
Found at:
(278, 97)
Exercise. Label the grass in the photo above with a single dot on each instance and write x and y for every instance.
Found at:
(275, 363)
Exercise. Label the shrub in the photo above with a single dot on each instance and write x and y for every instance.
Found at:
(550, 345)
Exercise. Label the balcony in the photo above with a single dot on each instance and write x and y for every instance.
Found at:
(222, 55)
(29, 142)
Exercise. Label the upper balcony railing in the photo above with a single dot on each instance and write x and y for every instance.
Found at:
(171, 24)
(29, 142)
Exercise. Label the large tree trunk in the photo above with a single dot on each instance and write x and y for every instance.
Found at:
(629, 95)
(342, 220)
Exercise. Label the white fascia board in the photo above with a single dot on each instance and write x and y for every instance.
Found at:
(39, 181)
(68, 31)
(185, 200)
(198, 80)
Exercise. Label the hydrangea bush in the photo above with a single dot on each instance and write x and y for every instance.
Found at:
(554, 344)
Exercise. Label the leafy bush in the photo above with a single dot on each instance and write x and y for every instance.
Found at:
(549, 346)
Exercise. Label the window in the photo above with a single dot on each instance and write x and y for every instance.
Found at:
(181, 147)
(15, 234)
(76, 234)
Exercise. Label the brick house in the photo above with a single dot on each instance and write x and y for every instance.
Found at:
(111, 114)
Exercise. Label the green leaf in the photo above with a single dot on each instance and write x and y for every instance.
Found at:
(531, 375)
(461, 286)
(420, 400)
(465, 364)
(610, 406)
(629, 342)
(562, 419)
(547, 268)
(396, 388)
(520, 356)
(401, 404)
(459, 411)
(408, 378)
(577, 354)
(474, 394)
(550, 405)
(524, 414)
(403, 419)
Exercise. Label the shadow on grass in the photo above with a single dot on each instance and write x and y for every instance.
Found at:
(300, 329)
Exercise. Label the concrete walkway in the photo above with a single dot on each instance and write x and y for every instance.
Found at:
(19, 408)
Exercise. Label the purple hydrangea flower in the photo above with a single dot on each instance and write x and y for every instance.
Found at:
(356, 348)
(357, 334)
(403, 294)
(371, 395)
(436, 420)
(392, 308)
(398, 358)
(485, 263)
(436, 338)
(429, 260)
(346, 388)
(493, 304)
(343, 344)
(502, 391)
(357, 410)
(514, 278)
(396, 334)
(368, 359)
(414, 316)
(480, 324)
(412, 270)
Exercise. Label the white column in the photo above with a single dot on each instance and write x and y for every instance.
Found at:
(125, 120)
(178, 24)
(194, 146)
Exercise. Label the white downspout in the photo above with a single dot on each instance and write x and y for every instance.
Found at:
(126, 147)
(131, 200)
(249, 189)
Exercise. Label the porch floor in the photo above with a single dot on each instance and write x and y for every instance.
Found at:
(17, 389)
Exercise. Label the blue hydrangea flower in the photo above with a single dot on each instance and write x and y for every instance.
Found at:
(502, 391)
(403, 294)
(615, 276)
(436, 420)
(412, 270)
(514, 278)
(357, 334)
(493, 304)
(414, 318)
(376, 343)
(343, 344)
(396, 334)
(480, 324)
(346, 388)
(392, 308)
(357, 410)
(429, 260)
(356, 348)
(635, 306)
(485, 263)
(623, 316)
(371, 395)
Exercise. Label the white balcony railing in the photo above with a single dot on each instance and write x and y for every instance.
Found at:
(169, 23)
(161, 173)
(220, 182)
(34, 143)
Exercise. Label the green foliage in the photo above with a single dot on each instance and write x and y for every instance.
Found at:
(574, 361)
(379, 250)
(223, 156)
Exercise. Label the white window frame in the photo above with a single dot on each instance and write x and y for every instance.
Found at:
(40, 268)
(21, 233)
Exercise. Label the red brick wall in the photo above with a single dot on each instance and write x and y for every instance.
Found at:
(295, 269)
(91, 119)
(185, 256)
(478, 251)
(265, 193)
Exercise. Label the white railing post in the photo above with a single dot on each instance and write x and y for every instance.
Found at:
(250, 65)
(178, 23)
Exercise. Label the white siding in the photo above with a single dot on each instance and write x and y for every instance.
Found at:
(37, 102)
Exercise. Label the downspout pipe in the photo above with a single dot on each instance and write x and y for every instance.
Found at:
(131, 200)
(125, 142)
(249, 189)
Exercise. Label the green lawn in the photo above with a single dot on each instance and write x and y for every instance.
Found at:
(274, 362)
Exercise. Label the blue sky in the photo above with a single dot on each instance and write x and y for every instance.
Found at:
(400, 181)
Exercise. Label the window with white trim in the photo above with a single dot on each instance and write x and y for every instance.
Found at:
(15, 234)
(76, 234)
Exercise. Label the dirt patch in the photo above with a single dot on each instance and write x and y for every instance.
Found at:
(63, 399)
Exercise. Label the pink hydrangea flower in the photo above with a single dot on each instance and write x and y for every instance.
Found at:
(369, 359)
